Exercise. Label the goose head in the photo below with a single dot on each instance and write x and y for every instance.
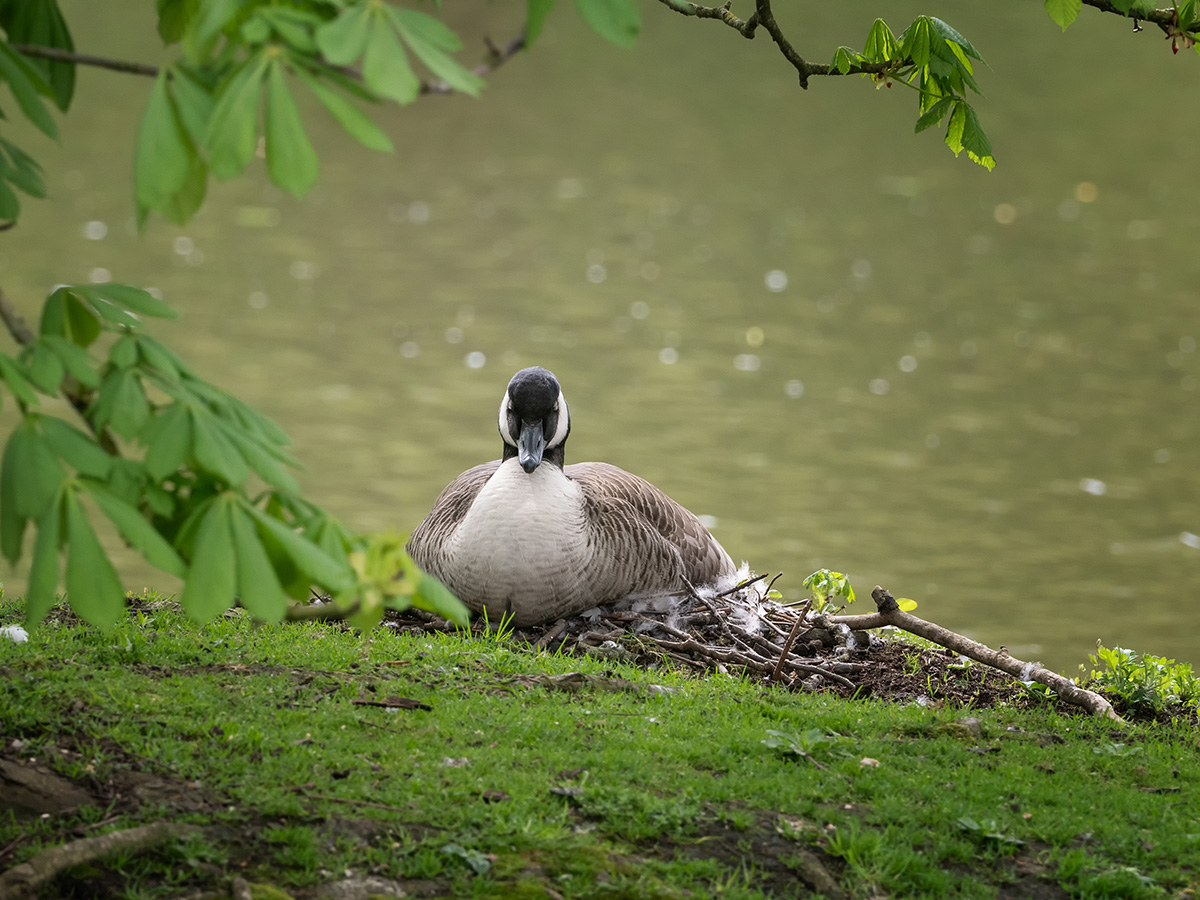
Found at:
(534, 421)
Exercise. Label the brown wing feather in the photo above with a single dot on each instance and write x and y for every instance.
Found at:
(704, 559)
(449, 508)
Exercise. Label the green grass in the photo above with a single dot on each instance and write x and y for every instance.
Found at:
(506, 788)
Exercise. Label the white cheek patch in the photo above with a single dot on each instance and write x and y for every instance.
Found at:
(507, 436)
(564, 423)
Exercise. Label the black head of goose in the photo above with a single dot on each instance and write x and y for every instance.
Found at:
(533, 538)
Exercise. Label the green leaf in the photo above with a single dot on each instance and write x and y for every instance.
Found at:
(951, 35)
(93, 588)
(432, 42)
(954, 130)
(126, 480)
(54, 314)
(162, 153)
(12, 521)
(433, 596)
(25, 84)
(256, 30)
(76, 449)
(189, 198)
(121, 404)
(614, 20)
(30, 470)
(67, 315)
(536, 12)
(360, 127)
(124, 352)
(344, 39)
(386, 69)
(213, 450)
(291, 160)
(160, 357)
(258, 587)
(916, 41)
(168, 440)
(174, 17)
(23, 170)
(214, 16)
(136, 530)
(265, 464)
(10, 206)
(934, 114)
(18, 382)
(104, 308)
(193, 102)
(975, 142)
(881, 43)
(40, 22)
(332, 574)
(45, 369)
(234, 410)
(844, 58)
(43, 571)
(209, 589)
(131, 298)
(294, 26)
(1063, 12)
(233, 127)
(76, 359)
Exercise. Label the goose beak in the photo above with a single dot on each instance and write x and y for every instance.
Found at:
(530, 446)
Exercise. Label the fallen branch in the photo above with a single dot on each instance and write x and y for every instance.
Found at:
(891, 614)
(25, 879)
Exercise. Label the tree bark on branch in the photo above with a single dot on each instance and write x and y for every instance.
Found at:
(891, 614)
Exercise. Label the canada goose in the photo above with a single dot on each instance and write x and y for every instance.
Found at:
(529, 536)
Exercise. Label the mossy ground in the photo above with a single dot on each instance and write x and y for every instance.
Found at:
(293, 750)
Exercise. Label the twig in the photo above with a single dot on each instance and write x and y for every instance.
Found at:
(29, 876)
(59, 55)
(544, 641)
(746, 29)
(16, 326)
(791, 639)
(767, 19)
(497, 57)
(1163, 18)
(744, 584)
(891, 614)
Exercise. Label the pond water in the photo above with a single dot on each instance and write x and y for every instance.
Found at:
(847, 347)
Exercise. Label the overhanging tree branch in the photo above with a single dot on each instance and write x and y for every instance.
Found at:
(1165, 19)
(83, 59)
(496, 57)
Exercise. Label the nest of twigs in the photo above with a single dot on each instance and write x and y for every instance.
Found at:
(740, 631)
(745, 631)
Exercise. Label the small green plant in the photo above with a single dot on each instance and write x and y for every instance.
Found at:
(1143, 681)
(480, 863)
(825, 585)
(987, 829)
(804, 745)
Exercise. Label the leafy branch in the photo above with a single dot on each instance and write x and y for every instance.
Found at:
(934, 58)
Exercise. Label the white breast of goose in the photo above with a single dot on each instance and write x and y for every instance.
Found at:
(522, 546)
